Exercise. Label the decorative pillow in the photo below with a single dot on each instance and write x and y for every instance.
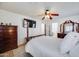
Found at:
(69, 42)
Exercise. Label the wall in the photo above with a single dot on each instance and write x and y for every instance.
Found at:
(48, 23)
(16, 19)
(36, 31)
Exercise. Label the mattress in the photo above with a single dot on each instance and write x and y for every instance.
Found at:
(44, 46)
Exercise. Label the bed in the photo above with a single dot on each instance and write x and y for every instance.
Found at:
(48, 46)
(44, 46)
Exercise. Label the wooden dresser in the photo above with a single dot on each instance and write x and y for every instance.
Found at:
(8, 38)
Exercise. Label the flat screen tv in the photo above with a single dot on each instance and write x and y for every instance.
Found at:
(31, 23)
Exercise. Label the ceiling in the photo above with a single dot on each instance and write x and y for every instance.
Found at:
(33, 9)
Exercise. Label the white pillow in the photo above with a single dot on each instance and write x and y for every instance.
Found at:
(69, 42)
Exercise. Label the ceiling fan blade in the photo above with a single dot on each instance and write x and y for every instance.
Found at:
(43, 18)
(50, 18)
(55, 14)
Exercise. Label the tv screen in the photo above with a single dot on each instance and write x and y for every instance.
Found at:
(31, 23)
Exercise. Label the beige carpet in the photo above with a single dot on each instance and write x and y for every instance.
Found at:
(19, 52)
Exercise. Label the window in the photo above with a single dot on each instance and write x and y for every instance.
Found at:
(42, 27)
(54, 27)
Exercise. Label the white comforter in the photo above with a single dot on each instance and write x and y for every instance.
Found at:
(44, 46)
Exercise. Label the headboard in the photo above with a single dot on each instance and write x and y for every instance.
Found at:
(69, 26)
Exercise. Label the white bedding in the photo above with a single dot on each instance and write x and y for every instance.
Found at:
(44, 46)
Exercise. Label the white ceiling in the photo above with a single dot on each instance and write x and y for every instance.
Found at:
(33, 9)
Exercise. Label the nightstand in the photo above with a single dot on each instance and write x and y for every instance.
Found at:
(61, 35)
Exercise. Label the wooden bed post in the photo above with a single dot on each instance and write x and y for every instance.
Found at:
(27, 33)
(63, 27)
(73, 27)
(25, 25)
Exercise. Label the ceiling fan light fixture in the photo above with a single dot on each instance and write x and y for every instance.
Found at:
(47, 12)
(47, 16)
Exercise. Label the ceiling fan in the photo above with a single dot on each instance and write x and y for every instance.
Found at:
(49, 15)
